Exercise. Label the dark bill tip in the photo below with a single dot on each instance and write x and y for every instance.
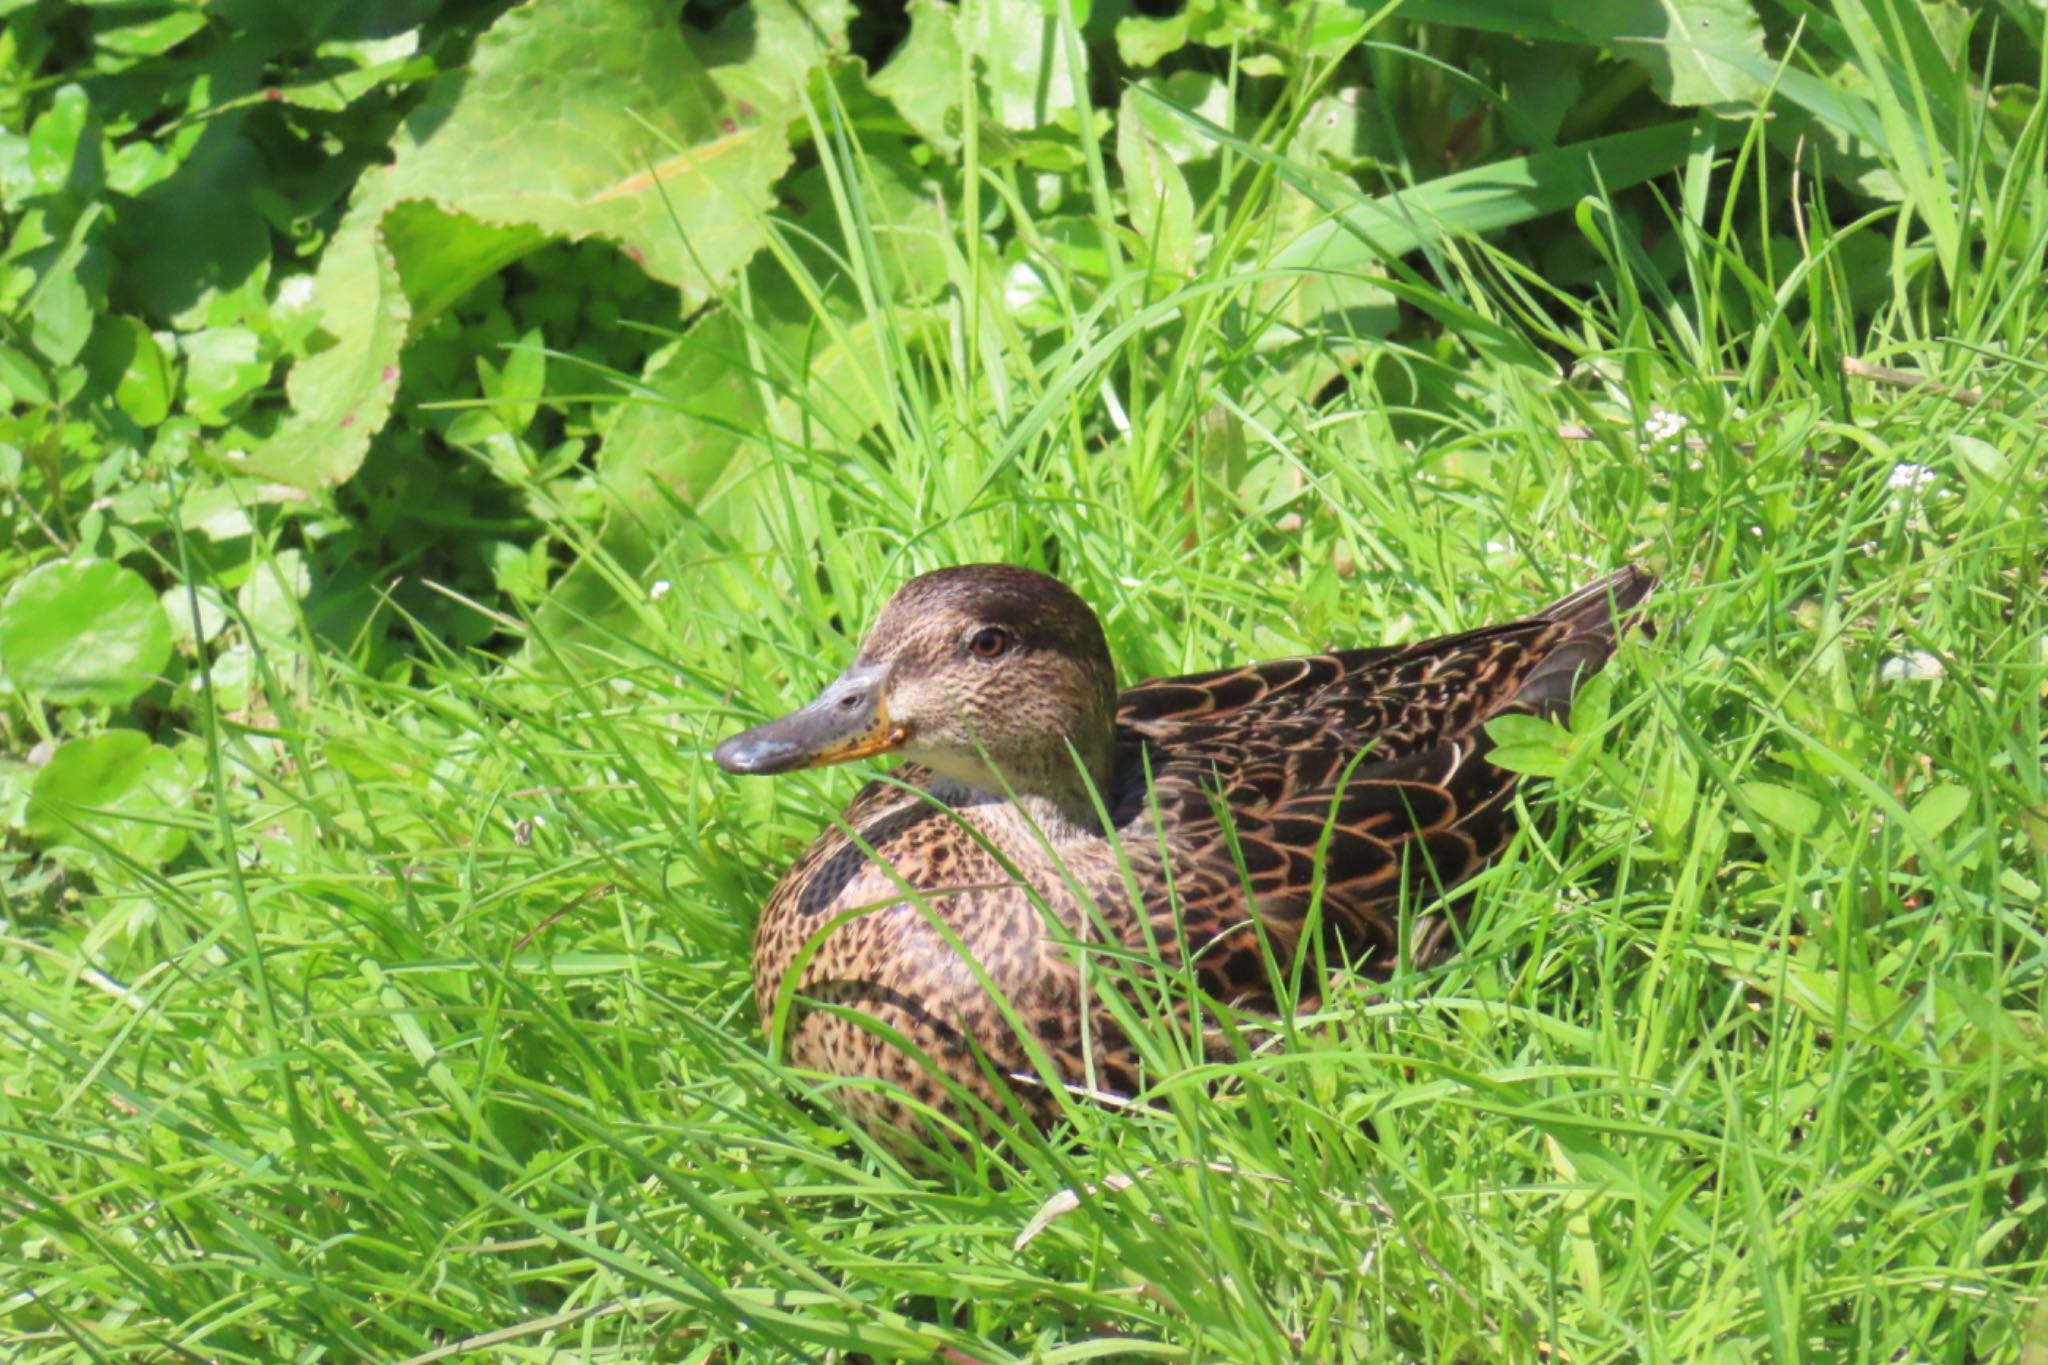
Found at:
(847, 721)
(753, 754)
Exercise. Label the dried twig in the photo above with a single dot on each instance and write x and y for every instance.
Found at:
(1909, 380)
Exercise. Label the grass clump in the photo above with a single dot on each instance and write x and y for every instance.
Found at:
(415, 1021)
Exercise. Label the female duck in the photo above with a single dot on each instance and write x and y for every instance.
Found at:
(1047, 835)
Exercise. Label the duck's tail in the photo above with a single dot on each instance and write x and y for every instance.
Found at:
(1593, 619)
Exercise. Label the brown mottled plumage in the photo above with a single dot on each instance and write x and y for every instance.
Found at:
(1362, 773)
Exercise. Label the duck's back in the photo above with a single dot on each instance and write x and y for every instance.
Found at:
(1361, 772)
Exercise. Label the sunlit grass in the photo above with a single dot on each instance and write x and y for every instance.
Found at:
(449, 1042)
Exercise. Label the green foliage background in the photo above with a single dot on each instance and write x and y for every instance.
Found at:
(432, 424)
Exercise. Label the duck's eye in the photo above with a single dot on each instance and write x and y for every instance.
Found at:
(990, 642)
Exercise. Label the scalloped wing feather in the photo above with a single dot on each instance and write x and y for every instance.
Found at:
(1359, 775)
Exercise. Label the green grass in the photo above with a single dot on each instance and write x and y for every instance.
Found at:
(444, 1044)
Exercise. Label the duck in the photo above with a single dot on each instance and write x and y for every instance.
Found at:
(967, 947)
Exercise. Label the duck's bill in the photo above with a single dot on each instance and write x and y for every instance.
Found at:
(847, 721)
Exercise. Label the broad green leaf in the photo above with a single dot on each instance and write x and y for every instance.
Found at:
(1592, 703)
(341, 396)
(1939, 808)
(64, 145)
(1197, 92)
(123, 357)
(692, 418)
(145, 388)
(21, 377)
(1681, 43)
(1162, 212)
(574, 119)
(116, 789)
(1529, 745)
(212, 614)
(1339, 130)
(268, 599)
(1792, 811)
(233, 675)
(1979, 456)
(522, 381)
(1145, 41)
(1229, 24)
(1578, 1229)
(223, 365)
(1332, 30)
(380, 63)
(1673, 794)
(1806, 979)
(517, 570)
(147, 34)
(441, 256)
(1023, 59)
(83, 631)
(697, 406)
(764, 54)
(61, 319)
(922, 79)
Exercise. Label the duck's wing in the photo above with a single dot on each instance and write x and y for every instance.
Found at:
(1365, 770)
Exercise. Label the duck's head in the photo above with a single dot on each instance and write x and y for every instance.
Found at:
(971, 672)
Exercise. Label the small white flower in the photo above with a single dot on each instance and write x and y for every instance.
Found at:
(1919, 666)
(1664, 426)
(1022, 287)
(294, 293)
(1910, 478)
(659, 590)
(1496, 547)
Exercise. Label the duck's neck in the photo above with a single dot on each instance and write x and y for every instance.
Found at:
(1059, 796)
